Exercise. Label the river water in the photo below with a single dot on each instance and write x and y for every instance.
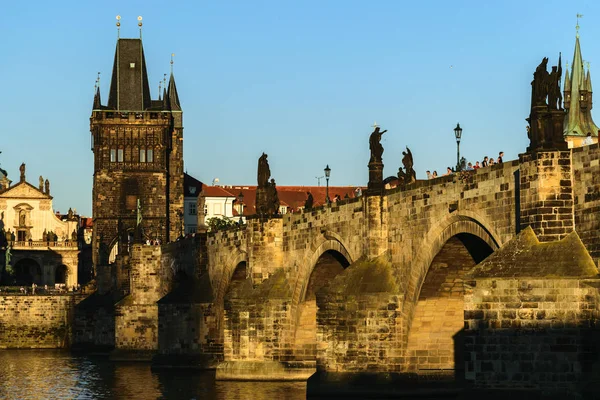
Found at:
(53, 374)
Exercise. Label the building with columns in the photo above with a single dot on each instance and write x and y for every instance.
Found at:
(42, 247)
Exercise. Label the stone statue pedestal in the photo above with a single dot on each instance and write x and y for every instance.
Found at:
(261, 201)
(375, 177)
(546, 129)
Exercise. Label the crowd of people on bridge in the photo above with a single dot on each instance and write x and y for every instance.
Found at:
(469, 166)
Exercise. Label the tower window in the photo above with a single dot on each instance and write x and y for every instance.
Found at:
(150, 155)
(192, 209)
(120, 155)
(132, 65)
(113, 155)
(142, 155)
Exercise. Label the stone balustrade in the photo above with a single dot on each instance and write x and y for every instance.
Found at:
(42, 245)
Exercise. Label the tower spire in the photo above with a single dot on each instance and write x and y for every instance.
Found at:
(578, 98)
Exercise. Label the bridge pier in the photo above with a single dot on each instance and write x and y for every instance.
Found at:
(136, 315)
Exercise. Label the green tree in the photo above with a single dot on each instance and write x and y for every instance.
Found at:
(220, 223)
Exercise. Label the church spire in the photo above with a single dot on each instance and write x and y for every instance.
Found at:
(578, 97)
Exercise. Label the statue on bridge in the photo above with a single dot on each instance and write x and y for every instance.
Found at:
(375, 184)
(375, 145)
(308, 204)
(267, 200)
(264, 172)
(408, 175)
(546, 119)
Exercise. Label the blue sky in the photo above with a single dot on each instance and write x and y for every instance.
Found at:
(301, 81)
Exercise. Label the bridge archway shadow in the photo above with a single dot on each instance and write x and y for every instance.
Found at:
(238, 277)
(434, 341)
(329, 264)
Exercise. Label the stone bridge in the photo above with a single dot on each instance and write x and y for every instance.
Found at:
(369, 285)
(375, 284)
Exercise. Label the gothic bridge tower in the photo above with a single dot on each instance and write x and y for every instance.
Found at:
(138, 155)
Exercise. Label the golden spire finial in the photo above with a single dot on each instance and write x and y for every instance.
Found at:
(577, 26)
(159, 89)
(118, 26)
(172, 55)
(140, 25)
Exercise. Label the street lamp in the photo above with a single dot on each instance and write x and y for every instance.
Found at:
(241, 203)
(327, 173)
(457, 134)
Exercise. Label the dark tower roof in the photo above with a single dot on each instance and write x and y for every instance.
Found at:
(172, 95)
(129, 88)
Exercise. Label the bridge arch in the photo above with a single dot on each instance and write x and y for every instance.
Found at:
(435, 294)
(324, 243)
(323, 261)
(232, 263)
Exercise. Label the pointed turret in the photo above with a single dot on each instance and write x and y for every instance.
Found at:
(578, 101)
(165, 99)
(97, 101)
(172, 95)
(588, 81)
(129, 88)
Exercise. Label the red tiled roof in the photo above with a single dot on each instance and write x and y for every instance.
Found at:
(292, 196)
(215, 191)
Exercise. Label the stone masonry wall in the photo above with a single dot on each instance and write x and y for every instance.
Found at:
(361, 333)
(531, 333)
(265, 247)
(547, 194)
(35, 321)
(586, 193)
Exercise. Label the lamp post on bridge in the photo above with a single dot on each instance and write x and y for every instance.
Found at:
(457, 135)
(327, 173)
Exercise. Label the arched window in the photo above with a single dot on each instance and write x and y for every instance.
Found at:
(150, 155)
(142, 155)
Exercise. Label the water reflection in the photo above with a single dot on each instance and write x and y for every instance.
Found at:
(49, 374)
